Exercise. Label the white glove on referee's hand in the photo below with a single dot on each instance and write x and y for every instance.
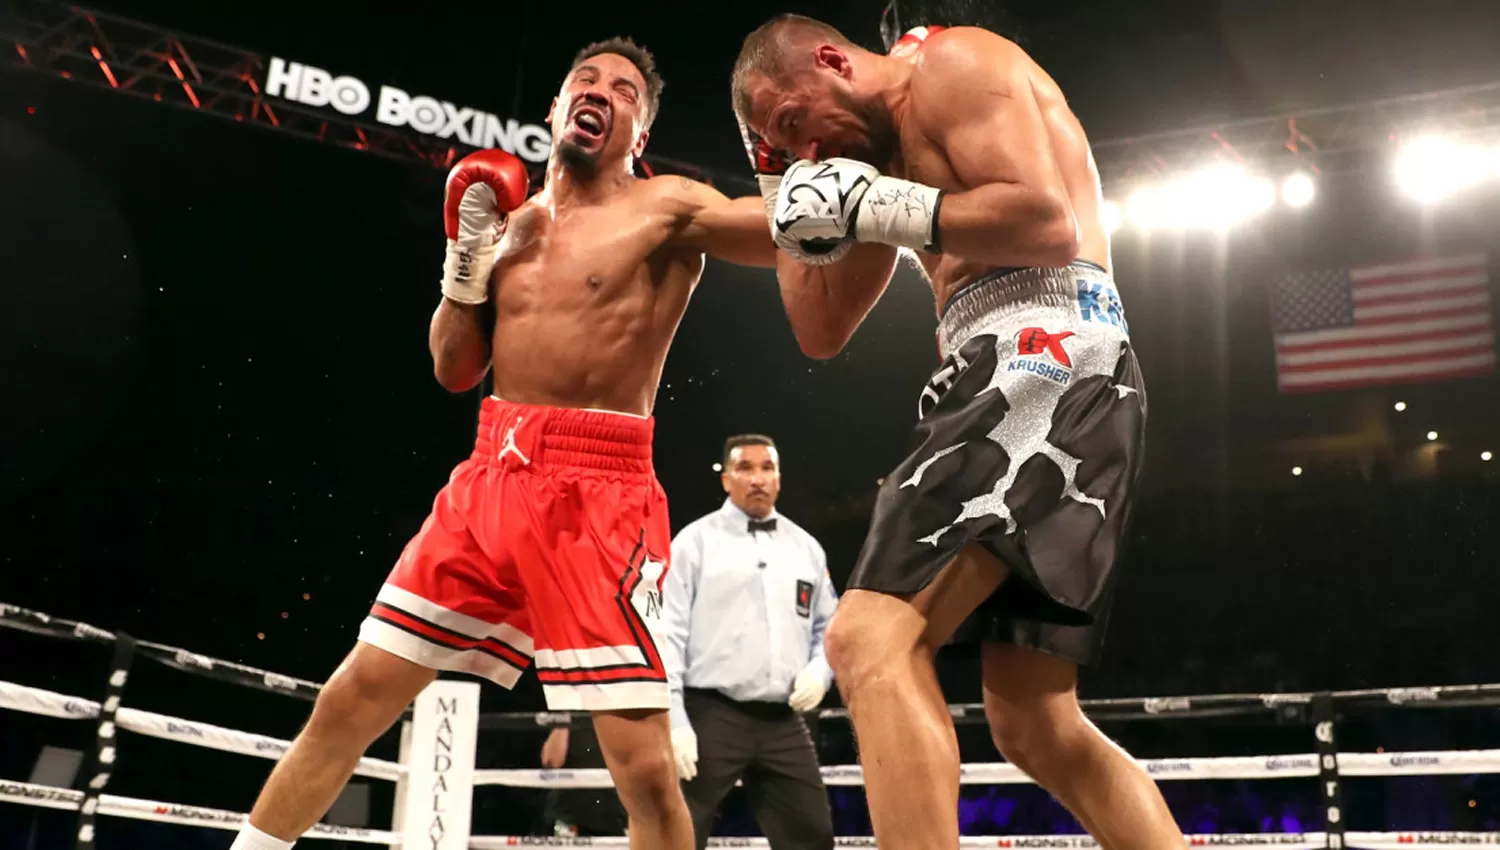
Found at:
(808, 690)
(685, 752)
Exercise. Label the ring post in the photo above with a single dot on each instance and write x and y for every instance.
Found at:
(439, 792)
(101, 762)
(398, 813)
(1324, 717)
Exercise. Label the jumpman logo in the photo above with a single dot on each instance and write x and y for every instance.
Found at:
(510, 444)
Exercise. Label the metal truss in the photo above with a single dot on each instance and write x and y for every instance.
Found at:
(1322, 141)
(103, 50)
(146, 61)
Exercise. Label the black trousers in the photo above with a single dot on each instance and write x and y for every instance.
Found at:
(592, 811)
(768, 747)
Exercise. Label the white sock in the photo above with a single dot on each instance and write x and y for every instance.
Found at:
(251, 838)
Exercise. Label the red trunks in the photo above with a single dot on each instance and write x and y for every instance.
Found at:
(551, 541)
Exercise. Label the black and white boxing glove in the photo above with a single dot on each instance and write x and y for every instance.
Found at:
(843, 199)
(770, 166)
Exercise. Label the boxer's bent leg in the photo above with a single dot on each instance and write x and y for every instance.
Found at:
(637, 748)
(1031, 701)
(364, 697)
(881, 648)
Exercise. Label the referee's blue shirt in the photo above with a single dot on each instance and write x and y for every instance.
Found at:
(744, 612)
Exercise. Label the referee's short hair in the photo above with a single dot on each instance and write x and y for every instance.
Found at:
(739, 440)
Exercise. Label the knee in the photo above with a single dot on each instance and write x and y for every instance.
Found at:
(856, 651)
(1036, 738)
(354, 698)
(647, 781)
(841, 643)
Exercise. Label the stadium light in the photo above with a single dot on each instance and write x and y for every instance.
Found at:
(1296, 470)
(1400, 406)
(1431, 168)
(1298, 190)
(1431, 435)
(1485, 456)
(1145, 209)
(1112, 215)
(1217, 197)
(718, 467)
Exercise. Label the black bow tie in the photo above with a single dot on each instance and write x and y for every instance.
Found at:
(762, 525)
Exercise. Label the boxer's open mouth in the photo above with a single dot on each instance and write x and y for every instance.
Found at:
(589, 123)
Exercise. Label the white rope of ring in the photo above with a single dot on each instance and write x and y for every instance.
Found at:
(1245, 841)
(47, 797)
(50, 704)
(1000, 773)
(38, 701)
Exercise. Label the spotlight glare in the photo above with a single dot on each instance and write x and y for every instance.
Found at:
(1400, 406)
(1145, 208)
(1298, 190)
(1296, 470)
(1485, 456)
(1431, 168)
(1431, 435)
(718, 467)
(1222, 196)
(1112, 216)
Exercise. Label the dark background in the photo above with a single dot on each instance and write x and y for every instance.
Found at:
(218, 423)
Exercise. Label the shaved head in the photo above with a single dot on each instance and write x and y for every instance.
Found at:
(777, 49)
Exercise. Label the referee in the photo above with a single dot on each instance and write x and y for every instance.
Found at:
(745, 605)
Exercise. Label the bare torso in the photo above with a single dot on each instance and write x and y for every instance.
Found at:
(587, 300)
(922, 161)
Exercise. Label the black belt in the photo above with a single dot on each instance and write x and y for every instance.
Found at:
(755, 708)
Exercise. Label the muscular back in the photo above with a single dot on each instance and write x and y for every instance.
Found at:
(587, 300)
(922, 159)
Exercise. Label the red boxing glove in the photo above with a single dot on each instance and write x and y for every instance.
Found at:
(481, 190)
(908, 44)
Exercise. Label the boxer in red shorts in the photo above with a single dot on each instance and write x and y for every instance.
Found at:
(550, 542)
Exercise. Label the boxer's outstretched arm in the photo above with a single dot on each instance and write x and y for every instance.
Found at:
(977, 103)
(459, 344)
(705, 219)
(826, 304)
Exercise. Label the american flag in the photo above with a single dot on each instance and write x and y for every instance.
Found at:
(1384, 323)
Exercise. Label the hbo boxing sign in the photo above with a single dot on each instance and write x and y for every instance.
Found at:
(312, 86)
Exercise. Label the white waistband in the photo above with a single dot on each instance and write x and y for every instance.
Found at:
(1009, 292)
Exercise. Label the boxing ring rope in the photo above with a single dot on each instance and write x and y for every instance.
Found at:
(1440, 762)
(38, 701)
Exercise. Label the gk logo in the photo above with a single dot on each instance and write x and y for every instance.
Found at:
(1099, 302)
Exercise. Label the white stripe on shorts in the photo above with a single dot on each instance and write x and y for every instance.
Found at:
(607, 696)
(470, 627)
(428, 654)
(590, 659)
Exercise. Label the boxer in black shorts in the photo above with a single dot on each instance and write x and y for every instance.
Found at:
(1003, 525)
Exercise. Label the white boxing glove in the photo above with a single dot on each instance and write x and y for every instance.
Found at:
(685, 752)
(770, 166)
(841, 199)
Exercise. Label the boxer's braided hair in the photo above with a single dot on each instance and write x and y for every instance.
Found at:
(638, 56)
